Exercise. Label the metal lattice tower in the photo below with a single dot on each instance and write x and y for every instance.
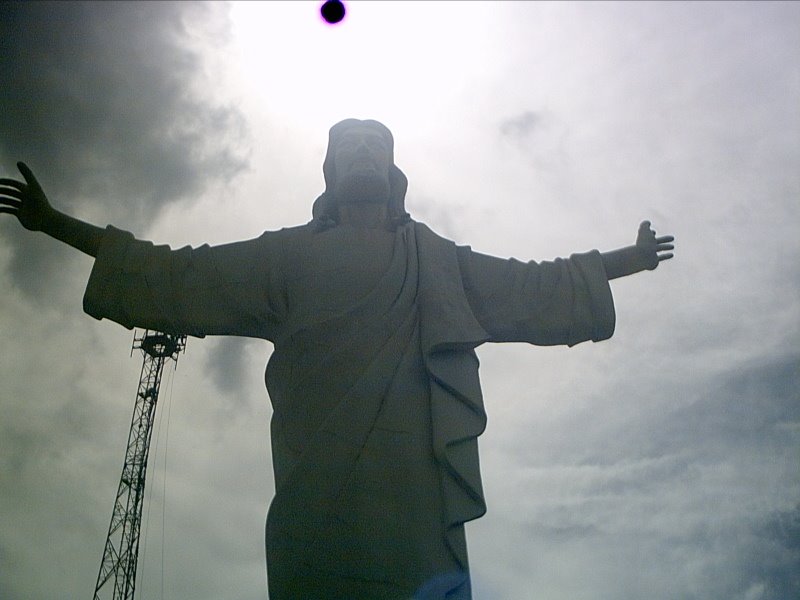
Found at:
(117, 577)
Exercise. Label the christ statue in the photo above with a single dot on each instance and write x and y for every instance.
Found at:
(373, 380)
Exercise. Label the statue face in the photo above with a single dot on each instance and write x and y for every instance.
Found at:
(361, 160)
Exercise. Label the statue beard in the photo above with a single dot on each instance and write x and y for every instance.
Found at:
(362, 188)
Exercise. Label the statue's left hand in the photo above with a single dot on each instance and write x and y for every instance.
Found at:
(653, 249)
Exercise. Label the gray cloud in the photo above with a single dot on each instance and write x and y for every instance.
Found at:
(701, 478)
(235, 366)
(100, 99)
(770, 564)
(225, 363)
(743, 412)
(521, 126)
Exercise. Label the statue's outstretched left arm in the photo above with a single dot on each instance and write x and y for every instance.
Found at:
(645, 254)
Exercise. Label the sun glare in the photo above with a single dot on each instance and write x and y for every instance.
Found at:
(388, 60)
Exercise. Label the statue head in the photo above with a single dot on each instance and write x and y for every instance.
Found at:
(359, 167)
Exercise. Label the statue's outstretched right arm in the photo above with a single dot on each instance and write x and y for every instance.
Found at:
(219, 290)
(27, 201)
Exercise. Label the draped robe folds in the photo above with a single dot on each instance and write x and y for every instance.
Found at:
(373, 381)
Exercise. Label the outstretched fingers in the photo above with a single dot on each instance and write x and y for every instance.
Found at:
(10, 192)
(12, 183)
(10, 197)
(663, 244)
(655, 248)
(10, 206)
(10, 202)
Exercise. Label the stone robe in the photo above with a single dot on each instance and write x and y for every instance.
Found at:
(373, 381)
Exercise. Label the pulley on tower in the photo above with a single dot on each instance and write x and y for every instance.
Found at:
(117, 576)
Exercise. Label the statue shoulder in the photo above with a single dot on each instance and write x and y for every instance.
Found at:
(295, 233)
(424, 232)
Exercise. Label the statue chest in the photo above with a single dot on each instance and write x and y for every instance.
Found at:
(337, 268)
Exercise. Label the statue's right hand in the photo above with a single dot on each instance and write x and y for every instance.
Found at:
(25, 200)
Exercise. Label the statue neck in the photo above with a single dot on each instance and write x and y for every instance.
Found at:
(364, 215)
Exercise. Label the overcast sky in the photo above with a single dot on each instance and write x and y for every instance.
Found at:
(662, 463)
